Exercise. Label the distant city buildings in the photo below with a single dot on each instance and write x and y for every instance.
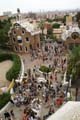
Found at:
(25, 32)
(7, 13)
(3, 17)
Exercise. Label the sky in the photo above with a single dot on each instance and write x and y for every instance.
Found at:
(37, 5)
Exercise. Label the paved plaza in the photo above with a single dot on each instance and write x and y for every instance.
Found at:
(48, 93)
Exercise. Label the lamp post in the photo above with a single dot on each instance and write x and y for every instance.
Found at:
(68, 94)
(70, 80)
(69, 83)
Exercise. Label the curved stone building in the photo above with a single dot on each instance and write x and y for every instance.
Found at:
(71, 37)
(24, 37)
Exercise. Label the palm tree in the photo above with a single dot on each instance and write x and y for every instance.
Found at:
(41, 25)
(74, 69)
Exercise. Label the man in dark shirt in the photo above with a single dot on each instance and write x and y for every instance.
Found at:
(7, 115)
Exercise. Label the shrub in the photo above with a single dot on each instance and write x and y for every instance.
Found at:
(45, 69)
(15, 69)
(56, 25)
(4, 98)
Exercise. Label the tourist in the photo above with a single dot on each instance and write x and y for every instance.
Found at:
(51, 110)
(7, 115)
(12, 101)
(12, 115)
(1, 118)
(24, 115)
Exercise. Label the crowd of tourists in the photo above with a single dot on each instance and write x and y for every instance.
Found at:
(34, 95)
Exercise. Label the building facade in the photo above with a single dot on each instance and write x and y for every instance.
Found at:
(71, 37)
(57, 33)
(7, 13)
(24, 37)
(3, 17)
(68, 20)
(73, 40)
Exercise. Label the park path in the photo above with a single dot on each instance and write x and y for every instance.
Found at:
(4, 67)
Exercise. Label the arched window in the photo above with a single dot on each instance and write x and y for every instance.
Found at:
(16, 25)
(14, 40)
(31, 47)
(27, 39)
(14, 32)
(20, 48)
(16, 48)
(75, 35)
(23, 31)
(19, 39)
(26, 48)
(38, 45)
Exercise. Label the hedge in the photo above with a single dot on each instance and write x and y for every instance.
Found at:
(56, 25)
(15, 69)
(45, 69)
(4, 99)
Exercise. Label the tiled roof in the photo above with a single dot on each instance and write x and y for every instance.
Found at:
(30, 27)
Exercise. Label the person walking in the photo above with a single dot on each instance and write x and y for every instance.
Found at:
(1, 118)
(7, 115)
(12, 115)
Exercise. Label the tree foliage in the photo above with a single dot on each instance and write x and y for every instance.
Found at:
(45, 69)
(56, 25)
(49, 20)
(74, 66)
(41, 25)
(4, 29)
(4, 99)
(15, 69)
(57, 19)
(50, 31)
(78, 18)
(50, 34)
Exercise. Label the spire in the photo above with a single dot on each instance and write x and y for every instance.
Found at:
(18, 14)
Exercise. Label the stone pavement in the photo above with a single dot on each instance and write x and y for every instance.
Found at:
(30, 64)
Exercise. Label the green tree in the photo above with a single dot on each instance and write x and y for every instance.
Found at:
(50, 34)
(78, 18)
(56, 25)
(50, 31)
(49, 20)
(64, 19)
(42, 38)
(41, 25)
(4, 28)
(74, 68)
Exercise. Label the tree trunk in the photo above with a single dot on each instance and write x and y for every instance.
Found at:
(76, 94)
